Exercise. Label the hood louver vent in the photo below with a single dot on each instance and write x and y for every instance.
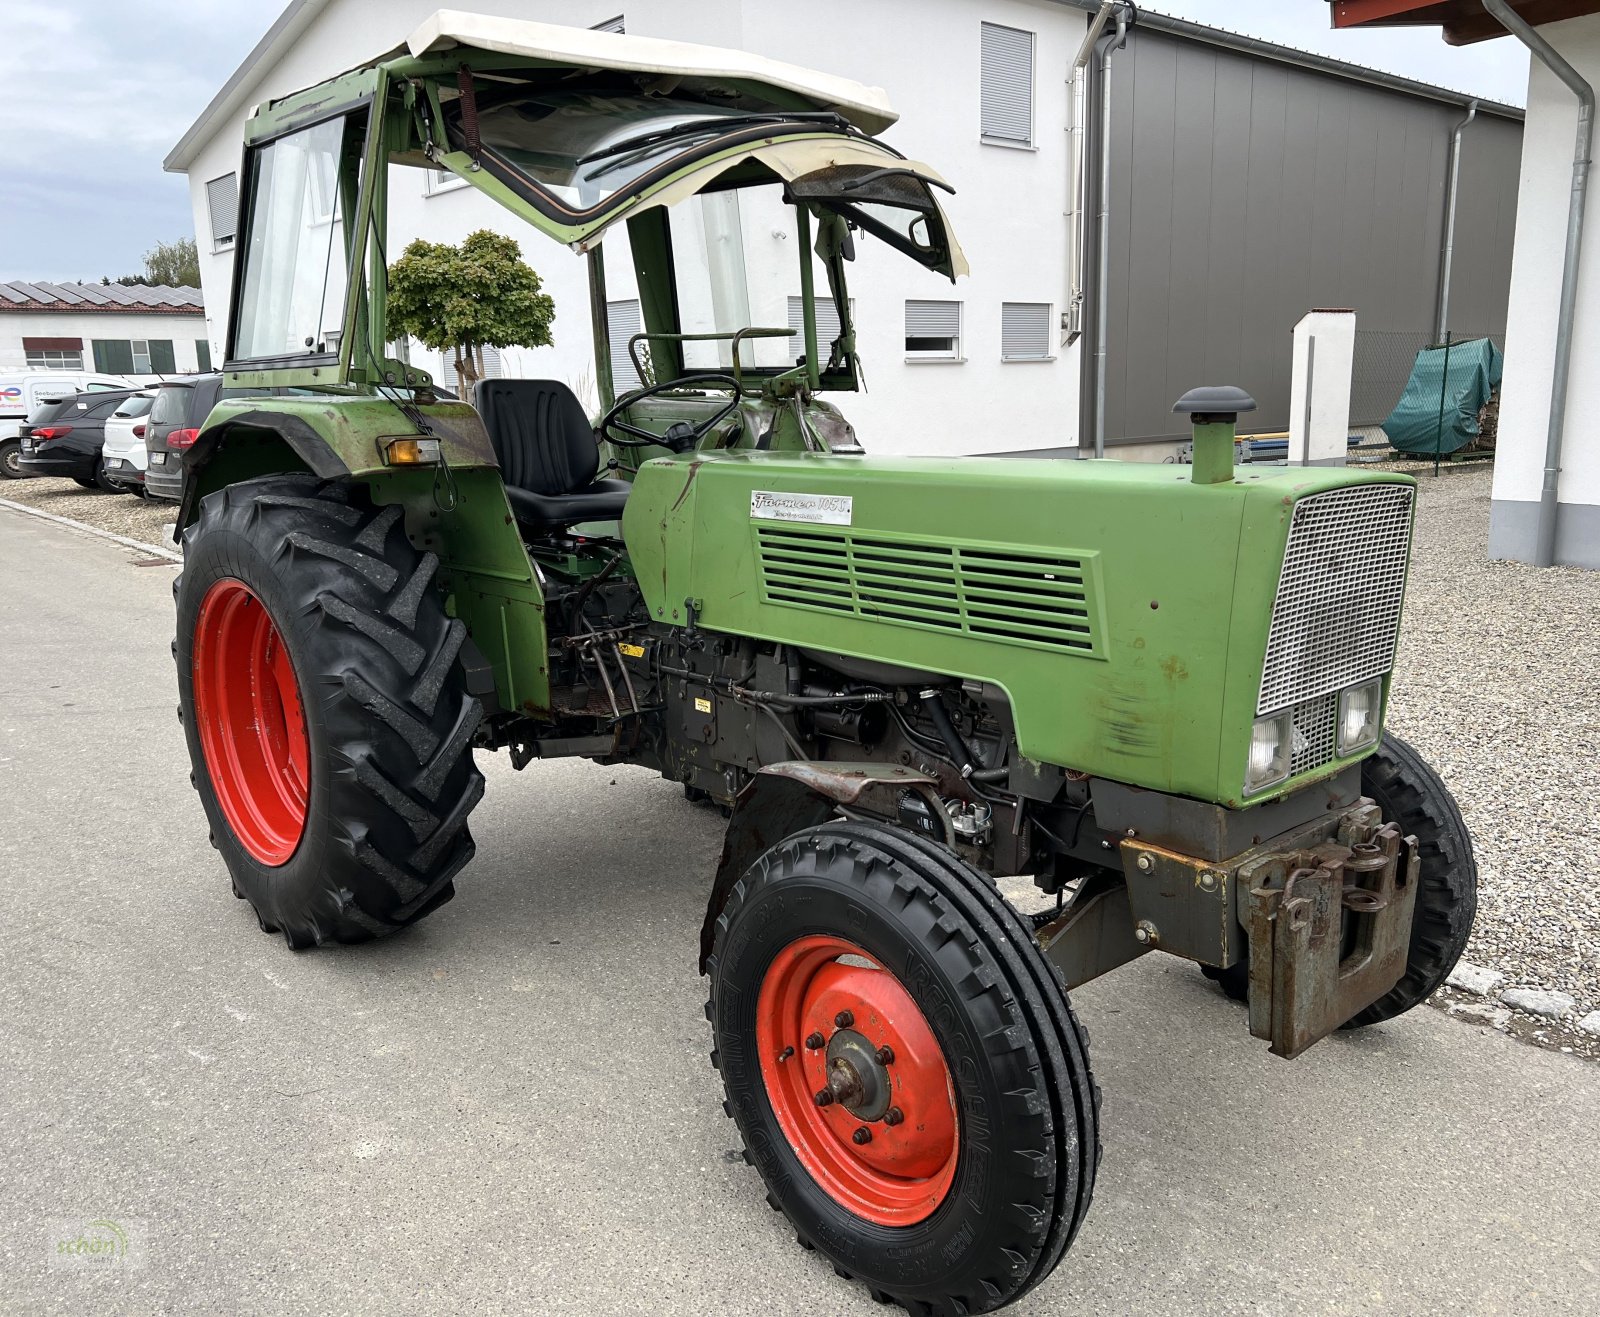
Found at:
(1007, 593)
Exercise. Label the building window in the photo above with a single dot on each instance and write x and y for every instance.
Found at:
(53, 353)
(828, 327)
(1025, 331)
(441, 180)
(933, 331)
(222, 204)
(202, 353)
(1007, 86)
(610, 25)
(623, 321)
(492, 369)
(137, 356)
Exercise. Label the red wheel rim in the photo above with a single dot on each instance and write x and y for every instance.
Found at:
(904, 1168)
(251, 722)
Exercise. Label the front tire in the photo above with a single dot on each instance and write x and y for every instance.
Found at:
(326, 713)
(981, 1118)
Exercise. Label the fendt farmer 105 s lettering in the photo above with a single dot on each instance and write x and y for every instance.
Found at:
(1159, 691)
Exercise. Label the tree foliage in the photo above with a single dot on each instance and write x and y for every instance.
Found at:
(464, 299)
(173, 264)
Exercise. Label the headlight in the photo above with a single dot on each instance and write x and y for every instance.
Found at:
(1360, 709)
(1271, 748)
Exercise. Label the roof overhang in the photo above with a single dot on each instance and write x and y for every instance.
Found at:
(551, 43)
(1463, 21)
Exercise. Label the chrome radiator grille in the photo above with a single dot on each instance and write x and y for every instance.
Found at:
(1337, 613)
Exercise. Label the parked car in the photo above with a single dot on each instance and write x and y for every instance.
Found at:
(123, 458)
(22, 394)
(175, 422)
(64, 437)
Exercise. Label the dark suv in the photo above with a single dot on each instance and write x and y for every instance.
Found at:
(179, 412)
(64, 438)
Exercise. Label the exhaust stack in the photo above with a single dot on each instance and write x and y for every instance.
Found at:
(1213, 411)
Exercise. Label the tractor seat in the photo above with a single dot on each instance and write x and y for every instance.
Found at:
(547, 453)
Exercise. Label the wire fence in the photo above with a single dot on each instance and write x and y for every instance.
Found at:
(1383, 363)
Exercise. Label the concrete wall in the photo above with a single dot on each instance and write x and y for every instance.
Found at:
(181, 330)
(1247, 192)
(1546, 188)
(1008, 209)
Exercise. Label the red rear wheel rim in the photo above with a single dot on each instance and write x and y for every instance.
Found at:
(901, 1172)
(251, 722)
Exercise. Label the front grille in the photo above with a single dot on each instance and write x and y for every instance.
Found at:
(1314, 722)
(1337, 613)
(1012, 594)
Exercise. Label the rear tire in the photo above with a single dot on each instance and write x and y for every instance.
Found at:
(11, 459)
(383, 769)
(996, 1216)
(104, 483)
(1409, 792)
(86, 482)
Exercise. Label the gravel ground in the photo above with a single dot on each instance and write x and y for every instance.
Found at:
(1496, 684)
(122, 514)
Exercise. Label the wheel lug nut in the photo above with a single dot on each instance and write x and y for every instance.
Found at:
(824, 1097)
(815, 1040)
(862, 1135)
(844, 1019)
(886, 1055)
(893, 1116)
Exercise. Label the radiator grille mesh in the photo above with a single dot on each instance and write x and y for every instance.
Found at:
(1013, 594)
(1337, 613)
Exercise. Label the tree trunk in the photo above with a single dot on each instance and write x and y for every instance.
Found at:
(469, 368)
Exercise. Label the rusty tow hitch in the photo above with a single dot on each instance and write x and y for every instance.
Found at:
(1329, 928)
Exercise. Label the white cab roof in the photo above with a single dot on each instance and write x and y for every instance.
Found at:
(866, 107)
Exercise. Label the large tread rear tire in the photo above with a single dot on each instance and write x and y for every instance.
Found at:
(1409, 792)
(389, 723)
(1020, 1061)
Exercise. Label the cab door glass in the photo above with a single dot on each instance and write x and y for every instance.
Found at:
(292, 301)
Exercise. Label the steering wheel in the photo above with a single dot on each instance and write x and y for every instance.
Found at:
(681, 435)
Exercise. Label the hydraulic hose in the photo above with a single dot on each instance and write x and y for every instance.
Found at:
(971, 767)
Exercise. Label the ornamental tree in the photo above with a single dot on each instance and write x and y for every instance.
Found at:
(460, 300)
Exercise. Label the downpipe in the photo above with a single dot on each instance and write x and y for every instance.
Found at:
(1442, 321)
(1549, 504)
(1077, 129)
(1103, 264)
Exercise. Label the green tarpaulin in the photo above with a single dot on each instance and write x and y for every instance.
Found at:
(1438, 412)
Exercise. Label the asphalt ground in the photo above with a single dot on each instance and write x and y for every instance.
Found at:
(509, 1108)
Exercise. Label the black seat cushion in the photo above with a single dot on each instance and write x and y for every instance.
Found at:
(547, 453)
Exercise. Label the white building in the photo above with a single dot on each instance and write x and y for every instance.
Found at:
(986, 94)
(109, 328)
(1553, 161)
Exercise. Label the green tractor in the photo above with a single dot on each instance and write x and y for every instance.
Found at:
(1159, 691)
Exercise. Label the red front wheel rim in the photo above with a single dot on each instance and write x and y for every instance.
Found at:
(251, 722)
(816, 1011)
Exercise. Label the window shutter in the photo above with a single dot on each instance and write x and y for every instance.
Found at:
(933, 320)
(1007, 80)
(222, 203)
(162, 360)
(1024, 331)
(827, 323)
(202, 353)
(114, 356)
(623, 321)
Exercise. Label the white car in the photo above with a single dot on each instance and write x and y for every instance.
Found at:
(124, 458)
(22, 393)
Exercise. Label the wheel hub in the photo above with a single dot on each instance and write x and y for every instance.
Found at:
(858, 1081)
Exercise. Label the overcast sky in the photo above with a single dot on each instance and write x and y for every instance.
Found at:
(98, 91)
